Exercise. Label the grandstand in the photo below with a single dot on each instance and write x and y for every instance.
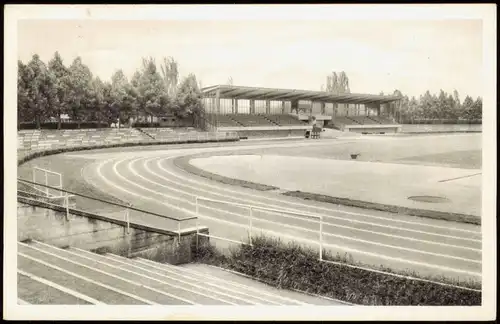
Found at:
(252, 110)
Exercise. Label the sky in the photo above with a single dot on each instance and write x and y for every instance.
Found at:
(377, 55)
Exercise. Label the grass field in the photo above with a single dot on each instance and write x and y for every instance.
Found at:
(459, 151)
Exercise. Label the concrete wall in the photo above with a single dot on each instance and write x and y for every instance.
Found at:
(440, 128)
(372, 130)
(271, 133)
(89, 233)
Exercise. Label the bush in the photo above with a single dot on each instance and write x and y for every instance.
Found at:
(291, 266)
(146, 125)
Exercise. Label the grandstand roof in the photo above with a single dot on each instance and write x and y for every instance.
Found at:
(240, 92)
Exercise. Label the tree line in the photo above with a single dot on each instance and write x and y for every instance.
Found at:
(444, 107)
(436, 107)
(45, 92)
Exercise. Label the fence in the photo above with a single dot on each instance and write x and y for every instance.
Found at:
(85, 205)
(125, 215)
(251, 208)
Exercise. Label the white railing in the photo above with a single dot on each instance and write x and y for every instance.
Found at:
(251, 208)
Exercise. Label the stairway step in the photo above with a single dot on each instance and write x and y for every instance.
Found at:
(59, 258)
(37, 293)
(84, 284)
(233, 296)
(162, 285)
(273, 298)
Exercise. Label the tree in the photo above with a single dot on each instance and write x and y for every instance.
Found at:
(457, 106)
(444, 107)
(468, 108)
(343, 83)
(230, 81)
(60, 72)
(80, 80)
(170, 74)
(24, 113)
(152, 96)
(122, 98)
(188, 102)
(40, 90)
(477, 109)
(96, 101)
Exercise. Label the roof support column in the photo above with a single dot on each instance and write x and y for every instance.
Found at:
(268, 107)
(295, 106)
(217, 101)
(283, 107)
(252, 106)
(235, 106)
(322, 107)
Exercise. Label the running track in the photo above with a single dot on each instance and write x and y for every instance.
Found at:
(150, 180)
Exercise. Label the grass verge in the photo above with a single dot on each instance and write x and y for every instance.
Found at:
(456, 217)
(290, 266)
(183, 163)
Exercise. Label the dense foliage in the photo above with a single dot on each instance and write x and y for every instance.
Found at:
(443, 109)
(429, 108)
(291, 266)
(47, 92)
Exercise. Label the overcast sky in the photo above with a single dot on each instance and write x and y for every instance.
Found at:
(412, 56)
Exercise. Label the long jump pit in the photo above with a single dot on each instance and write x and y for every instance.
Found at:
(419, 187)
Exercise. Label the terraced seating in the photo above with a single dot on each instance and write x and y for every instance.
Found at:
(383, 120)
(251, 120)
(70, 276)
(284, 120)
(225, 120)
(173, 133)
(364, 120)
(46, 139)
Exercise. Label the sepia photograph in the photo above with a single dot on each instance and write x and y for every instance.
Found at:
(321, 156)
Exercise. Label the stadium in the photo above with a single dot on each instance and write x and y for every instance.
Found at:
(252, 209)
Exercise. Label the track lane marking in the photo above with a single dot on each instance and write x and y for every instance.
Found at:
(328, 216)
(222, 188)
(302, 229)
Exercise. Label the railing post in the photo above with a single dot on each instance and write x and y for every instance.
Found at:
(66, 201)
(197, 211)
(179, 231)
(321, 238)
(46, 183)
(34, 179)
(127, 218)
(197, 235)
(250, 226)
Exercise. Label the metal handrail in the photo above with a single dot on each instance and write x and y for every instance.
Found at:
(273, 210)
(108, 202)
(286, 211)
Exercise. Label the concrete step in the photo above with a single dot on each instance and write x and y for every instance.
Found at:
(36, 292)
(239, 296)
(182, 294)
(83, 285)
(93, 270)
(264, 296)
(194, 288)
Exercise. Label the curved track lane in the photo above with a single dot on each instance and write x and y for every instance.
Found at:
(152, 181)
